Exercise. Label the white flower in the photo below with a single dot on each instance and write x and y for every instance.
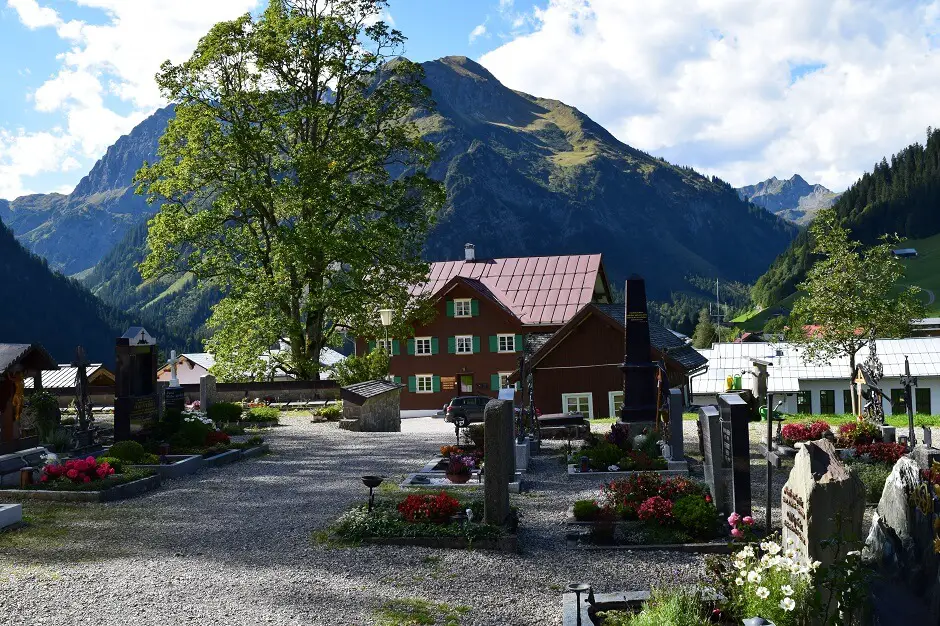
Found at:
(613, 468)
(790, 554)
(753, 577)
(762, 593)
(739, 564)
(469, 515)
(763, 546)
(786, 590)
(790, 541)
(773, 548)
(787, 604)
(852, 553)
(748, 552)
(814, 565)
(738, 581)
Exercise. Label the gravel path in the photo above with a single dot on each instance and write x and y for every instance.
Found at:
(233, 546)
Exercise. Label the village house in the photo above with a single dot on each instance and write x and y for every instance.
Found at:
(191, 366)
(484, 310)
(823, 388)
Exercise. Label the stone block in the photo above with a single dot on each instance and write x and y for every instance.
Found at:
(208, 394)
(499, 461)
(10, 515)
(710, 426)
(676, 440)
(889, 434)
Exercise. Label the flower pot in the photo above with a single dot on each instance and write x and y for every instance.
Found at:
(458, 478)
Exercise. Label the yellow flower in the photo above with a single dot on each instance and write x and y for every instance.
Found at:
(936, 546)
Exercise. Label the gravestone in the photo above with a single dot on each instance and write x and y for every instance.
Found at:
(736, 449)
(821, 498)
(888, 433)
(676, 438)
(498, 461)
(716, 474)
(136, 397)
(207, 393)
(639, 372)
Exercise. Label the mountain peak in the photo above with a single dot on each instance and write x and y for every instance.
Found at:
(793, 199)
(797, 179)
(465, 65)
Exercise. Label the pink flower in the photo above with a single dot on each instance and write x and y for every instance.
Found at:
(737, 533)
(91, 460)
(748, 520)
(708, 498)
(733, 519)
(72, 474)
(86, 479)
(44, 478)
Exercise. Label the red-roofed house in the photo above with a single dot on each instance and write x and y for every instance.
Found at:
(484, 309)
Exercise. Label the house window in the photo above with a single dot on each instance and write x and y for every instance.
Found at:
(827, 402)
(846, 400)
(424, 383)
(897, 402)
(578, 403)
(804, 402)
(504, 380)
(462, 307)
(506, 343)
(384, 344)
(422, 345)
(922, 400)
(464, 344)
(615, 400)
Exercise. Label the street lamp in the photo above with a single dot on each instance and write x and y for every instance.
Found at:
(386, 316)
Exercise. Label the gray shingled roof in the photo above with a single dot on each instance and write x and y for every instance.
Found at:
(535, 341)
(661, 338)
(371, 388)
(13, 353)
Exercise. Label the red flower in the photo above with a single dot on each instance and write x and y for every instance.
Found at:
(793, 433)
(882, 452)
(73, 474)
(656, 508)
(435, 509)
(708, 498)
(44, 478)
(86, 479)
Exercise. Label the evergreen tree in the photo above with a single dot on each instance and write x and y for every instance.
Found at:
(705, 332)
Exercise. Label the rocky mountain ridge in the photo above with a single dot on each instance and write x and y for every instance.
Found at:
(793, 199)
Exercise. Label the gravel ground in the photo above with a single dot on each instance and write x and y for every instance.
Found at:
(233, 545)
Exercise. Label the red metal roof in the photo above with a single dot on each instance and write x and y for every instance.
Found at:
(538, 290)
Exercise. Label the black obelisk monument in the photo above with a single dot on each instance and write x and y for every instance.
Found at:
(639, 372)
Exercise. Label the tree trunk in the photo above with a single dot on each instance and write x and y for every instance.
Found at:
(854, 391)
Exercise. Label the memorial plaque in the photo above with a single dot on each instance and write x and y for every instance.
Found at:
(735, 444)
(448, 383)
(174, 399)
(640, 387)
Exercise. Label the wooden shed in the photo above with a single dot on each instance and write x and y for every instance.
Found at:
(17, 362)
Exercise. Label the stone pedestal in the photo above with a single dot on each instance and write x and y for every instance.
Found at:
(821, 499)
(736, 449)
(207, 392)
(499, 461)
(716, 474)
(676, 440)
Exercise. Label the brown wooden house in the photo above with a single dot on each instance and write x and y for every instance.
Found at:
(485, 310)
(577, 368)
(18, 361)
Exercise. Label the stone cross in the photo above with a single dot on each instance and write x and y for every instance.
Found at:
(736, 450)
(174, 381)
(821, 499)
(498, 461)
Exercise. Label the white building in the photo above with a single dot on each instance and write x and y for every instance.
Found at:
(823, 388)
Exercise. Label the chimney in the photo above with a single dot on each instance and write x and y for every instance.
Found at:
(469, 252)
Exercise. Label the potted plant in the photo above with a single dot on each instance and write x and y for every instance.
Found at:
(459, 469)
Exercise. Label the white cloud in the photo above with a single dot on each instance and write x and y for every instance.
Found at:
(105, 82)
(742, 89)
(477, 32)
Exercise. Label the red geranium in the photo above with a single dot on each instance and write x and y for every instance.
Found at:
(793, 433)
(657, 509)
(77, 470)
(852, 434)
(882, 452)
(435, 509)
(216, 437)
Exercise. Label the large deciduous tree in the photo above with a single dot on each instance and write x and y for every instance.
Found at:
(851, 295)
(292, 178)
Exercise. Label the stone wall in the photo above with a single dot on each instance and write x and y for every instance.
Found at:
(381, 413)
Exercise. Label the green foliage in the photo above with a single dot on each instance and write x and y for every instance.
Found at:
(113, 461)
(192, 434)
(477, 434)
(148, 459)
(112, 481)
(130, 452)
(851, 295)
(874, 475)
(696, 516)
(269, 187)
(262, 414)
(233, 429)
(675, 607)
(332, 412)
(224, 412)
(354, 368)
(602, 455)
(416, 612)
(43, 409)
(60, 440)
(705, 332)
(586, 510)
(385, 521)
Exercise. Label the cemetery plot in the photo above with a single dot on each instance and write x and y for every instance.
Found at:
(86, 480)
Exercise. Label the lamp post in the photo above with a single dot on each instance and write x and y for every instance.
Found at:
(385, 315)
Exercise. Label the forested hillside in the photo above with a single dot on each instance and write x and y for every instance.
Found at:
(901, 196)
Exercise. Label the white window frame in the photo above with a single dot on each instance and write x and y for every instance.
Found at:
(505, 375)
(499, 342)
(469, 341)
(610, 401)
(430, 383)
(429, 345)
(384, 343)
(469, 307)
(590, 398)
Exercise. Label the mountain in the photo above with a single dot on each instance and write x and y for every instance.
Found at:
(793, 199)
(524, 176)
(74, 232)
(901, 197)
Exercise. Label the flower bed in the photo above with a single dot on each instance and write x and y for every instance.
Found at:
(791, 434)
(112, 487)
(425, 519)
(647, 508)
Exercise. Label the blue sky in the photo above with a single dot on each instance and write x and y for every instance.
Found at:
(743, 90)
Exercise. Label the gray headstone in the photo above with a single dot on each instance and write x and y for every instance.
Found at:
(207, 393)
(736, 449)
(498, 461)
(710, 426)
(926, 436)
(821, 498)
(676, 439)
(888, 434)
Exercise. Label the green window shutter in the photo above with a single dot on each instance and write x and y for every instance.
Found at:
(435, 345)
(518, 386)
(397, 380)
(411, 346)
(518, 343)
(412, 383)
(494, 382)
(435, 383)
(450, 308)
(370, 347)
(474, 307)
(451, 345)
(396, 347)
(494, 343)
(476, 345)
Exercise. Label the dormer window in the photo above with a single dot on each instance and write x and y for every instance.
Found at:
(462, 307)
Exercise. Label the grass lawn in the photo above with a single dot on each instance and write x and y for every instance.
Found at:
(689, 417)
(924, 271)
(892, 420)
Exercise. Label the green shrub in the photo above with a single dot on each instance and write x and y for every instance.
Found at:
(114, 462)
(695, 515)
(43, 410)
(224, 412)
(60, 440)
(586, 510)
(874, 476)
(233, 429)
(603, 455)
(477, 434)
(333, 412)
(680, 607)
(262, 414)
(149, 459)
(130, 452)
(191, 434)
(650, 446)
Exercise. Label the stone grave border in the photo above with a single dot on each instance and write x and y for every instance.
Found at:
(474, 482)
(572, 542)
(184, 465)
(508, 543)
(119, 492)
(570, 608)
(675, 469)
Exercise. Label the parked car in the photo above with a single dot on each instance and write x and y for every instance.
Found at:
(464, 410)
